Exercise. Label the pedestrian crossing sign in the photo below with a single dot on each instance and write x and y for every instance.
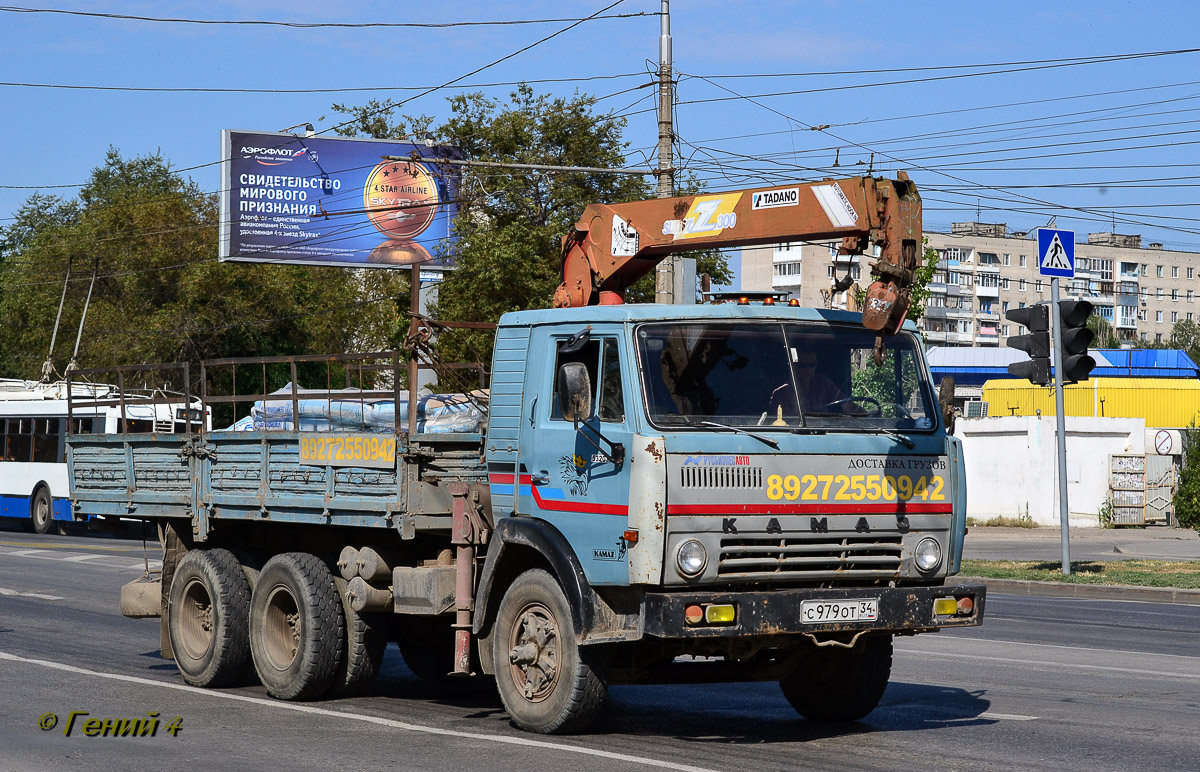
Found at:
(1056, 253)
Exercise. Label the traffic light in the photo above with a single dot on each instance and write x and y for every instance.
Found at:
(1036, 343)
(1076, 337)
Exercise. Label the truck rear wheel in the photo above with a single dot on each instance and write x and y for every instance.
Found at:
(839, 684)
(361, 657)
(208, 618)
(297, 628)
(548, 683)
(41, 512)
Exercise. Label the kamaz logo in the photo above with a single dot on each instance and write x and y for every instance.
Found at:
(770, 199)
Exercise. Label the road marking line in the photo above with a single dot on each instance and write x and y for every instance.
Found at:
(1006, 716)
(83, 558)
(955, 713)
(392, 723)
(1046, 663)
(1090, 649)
(49, 545)
(5, 591)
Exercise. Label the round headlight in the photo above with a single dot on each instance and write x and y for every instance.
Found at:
(692, 558)
(928, 555)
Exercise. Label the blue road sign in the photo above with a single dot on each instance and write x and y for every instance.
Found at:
(1056, 253)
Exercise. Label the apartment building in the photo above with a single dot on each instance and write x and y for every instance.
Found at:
(983, 271)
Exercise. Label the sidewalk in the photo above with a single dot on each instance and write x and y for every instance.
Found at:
(1150, 543)
(1096, 544)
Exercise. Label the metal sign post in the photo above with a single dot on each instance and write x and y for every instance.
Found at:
(1056, 258)
(1060, 428)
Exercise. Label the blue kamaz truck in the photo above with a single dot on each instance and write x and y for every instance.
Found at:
(644, 493)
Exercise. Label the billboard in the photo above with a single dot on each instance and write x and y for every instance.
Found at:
(335, 201)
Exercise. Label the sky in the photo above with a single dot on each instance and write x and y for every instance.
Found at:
(1011, 112)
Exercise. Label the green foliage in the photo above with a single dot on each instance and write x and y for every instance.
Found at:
(1106, 334)
(1187, 493)
(1023, 520)
(161, 295)
(1138, 573)
(511, 222)
(1185, 334)
(922, 275)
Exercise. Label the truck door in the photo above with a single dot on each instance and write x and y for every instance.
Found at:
(577, 479)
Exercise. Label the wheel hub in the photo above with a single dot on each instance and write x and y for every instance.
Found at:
(533, 652)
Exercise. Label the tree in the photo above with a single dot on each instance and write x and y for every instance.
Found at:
(919, 291)
(161, 295)
(1187, 494)
(1185, 334)
(1106, 334)
(511, 221)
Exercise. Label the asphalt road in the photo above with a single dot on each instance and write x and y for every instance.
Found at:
(1044, 684)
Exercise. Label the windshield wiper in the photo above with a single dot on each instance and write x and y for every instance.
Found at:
(739, 430)
(897, 436)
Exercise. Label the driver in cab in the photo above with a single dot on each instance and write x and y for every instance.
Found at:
(818, 394)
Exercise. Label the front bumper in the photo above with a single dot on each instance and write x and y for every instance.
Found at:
(777, 611)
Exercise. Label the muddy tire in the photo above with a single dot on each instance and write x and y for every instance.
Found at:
(208, 618)
(836, 684)
(297, 627)
(41, 512)
(362, 655)
(547, 682)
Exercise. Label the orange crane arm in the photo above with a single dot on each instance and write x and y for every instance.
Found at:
(614, 245)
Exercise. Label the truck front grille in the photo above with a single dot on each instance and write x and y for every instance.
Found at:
(819, 557)
(710, 477)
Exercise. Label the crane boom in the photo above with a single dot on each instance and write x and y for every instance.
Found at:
(614, 245)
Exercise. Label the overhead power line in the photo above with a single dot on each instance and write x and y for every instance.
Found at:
(215, 90)
(318, 25)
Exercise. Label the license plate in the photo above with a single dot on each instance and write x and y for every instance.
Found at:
(824, 611)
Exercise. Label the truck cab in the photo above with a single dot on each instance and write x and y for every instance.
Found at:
(734, 481)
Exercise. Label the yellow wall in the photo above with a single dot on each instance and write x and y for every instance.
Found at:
(1169, 402)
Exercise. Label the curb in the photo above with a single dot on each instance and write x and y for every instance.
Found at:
(1088, 591)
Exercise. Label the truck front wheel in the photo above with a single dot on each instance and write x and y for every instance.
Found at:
(548, 683)
(839, 684)
(297, 628)
(207, 617)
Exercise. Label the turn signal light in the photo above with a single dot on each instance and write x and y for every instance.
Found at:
(944, 607)
(631, 536)
(693, 615)
(965, 607)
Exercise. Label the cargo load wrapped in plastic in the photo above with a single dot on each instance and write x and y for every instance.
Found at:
(346, 410)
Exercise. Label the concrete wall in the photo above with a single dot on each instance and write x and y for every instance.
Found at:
(1012, 466)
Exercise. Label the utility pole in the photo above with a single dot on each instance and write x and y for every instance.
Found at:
(664, 274)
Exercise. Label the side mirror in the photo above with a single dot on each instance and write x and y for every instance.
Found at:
(946, 402)
(575, 391)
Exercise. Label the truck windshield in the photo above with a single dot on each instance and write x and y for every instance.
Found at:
(772, 375)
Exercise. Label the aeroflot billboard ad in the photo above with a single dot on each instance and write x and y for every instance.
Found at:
(319, 201)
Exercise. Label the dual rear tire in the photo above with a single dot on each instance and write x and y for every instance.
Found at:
(293, 628)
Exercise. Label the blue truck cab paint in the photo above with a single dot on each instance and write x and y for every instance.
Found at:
(880, 470)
